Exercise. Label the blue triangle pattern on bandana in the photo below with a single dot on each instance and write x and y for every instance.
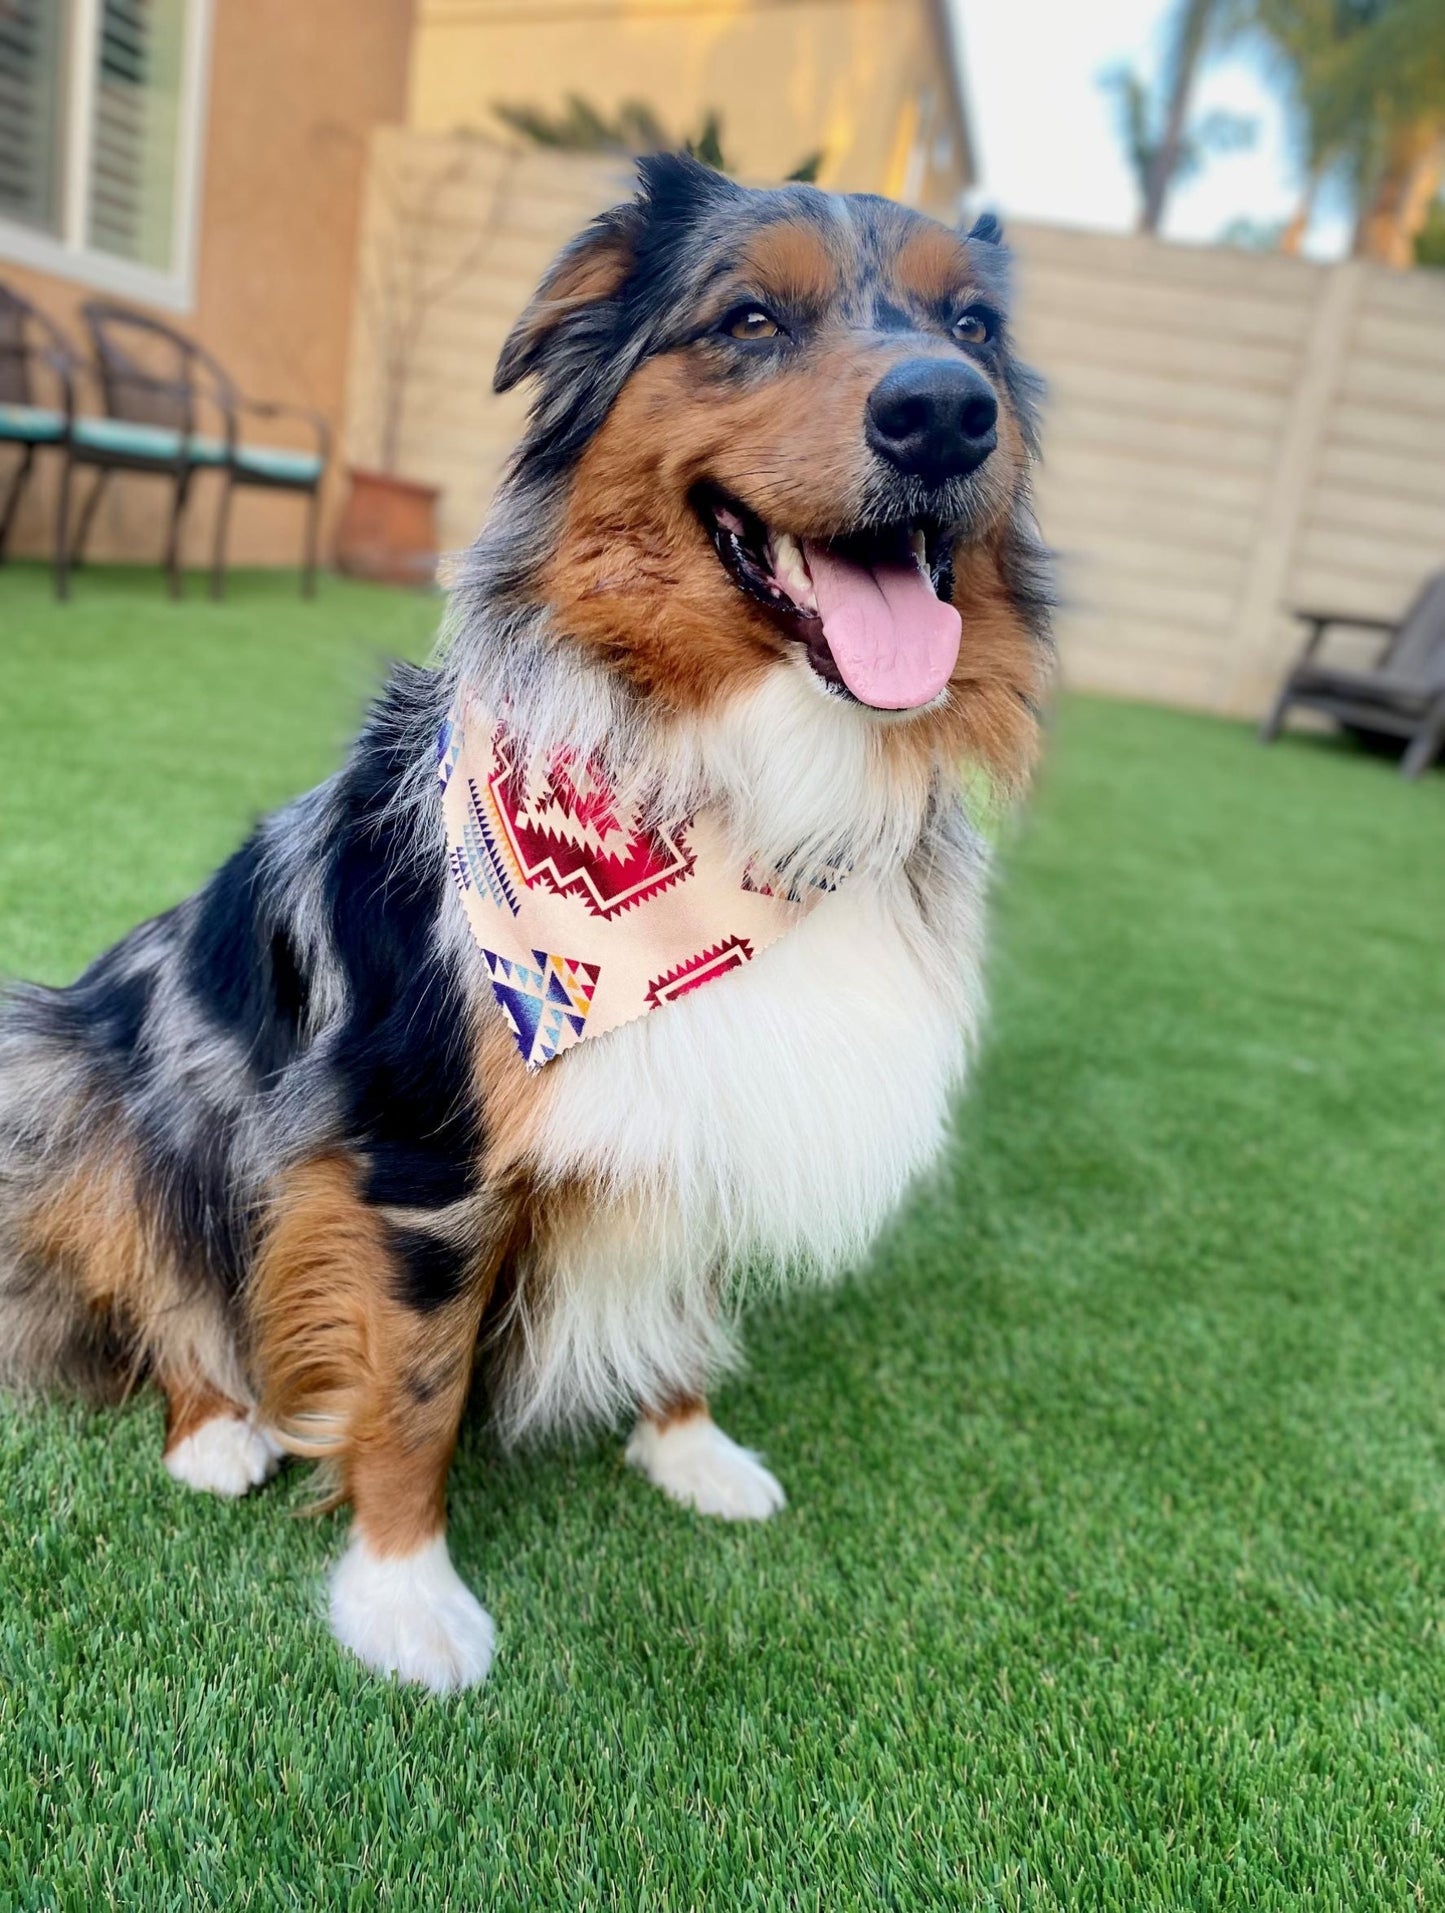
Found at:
(546, 1008)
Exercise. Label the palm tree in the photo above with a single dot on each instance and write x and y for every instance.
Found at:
(1161, 160)
(634, 128)
(1161, 144)
(1430, 241)
(1406, 184)
(1366, 84)
(1396, 65)
(1188, 31)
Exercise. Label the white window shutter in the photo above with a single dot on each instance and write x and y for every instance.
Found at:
(31, 50)
(133, 148)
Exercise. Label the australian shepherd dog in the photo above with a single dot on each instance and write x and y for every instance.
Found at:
(765, 553)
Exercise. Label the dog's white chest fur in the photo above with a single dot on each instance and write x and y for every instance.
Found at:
(790, 1103)
(774, 1118)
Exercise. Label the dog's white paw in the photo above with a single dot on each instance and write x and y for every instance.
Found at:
(695, 1462)
(411, 1616)
(224, 1456)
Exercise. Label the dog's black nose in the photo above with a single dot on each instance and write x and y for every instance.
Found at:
(934, 419)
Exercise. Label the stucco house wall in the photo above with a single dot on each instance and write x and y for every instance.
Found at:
(874, 84)
(294, 91)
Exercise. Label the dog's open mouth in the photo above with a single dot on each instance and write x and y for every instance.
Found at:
(871, 608)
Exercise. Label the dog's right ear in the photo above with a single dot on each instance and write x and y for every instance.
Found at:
(589, 270)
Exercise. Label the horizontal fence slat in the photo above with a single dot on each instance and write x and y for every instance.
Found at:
(1059, 341)
(1406, 343)
(1412, 432)
(1147, 522)
(1391, 519)
(1134, 259)
(1187, 441)
(1197, 399)
(1405, 560)
(1408, 295)
(1060, 294)
(1330, 586)
(1396, 387)
(1076, 465)
(1384, 476)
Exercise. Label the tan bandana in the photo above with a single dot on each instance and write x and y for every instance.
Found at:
(586, 914)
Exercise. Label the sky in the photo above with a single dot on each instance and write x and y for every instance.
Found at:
(1044, 133)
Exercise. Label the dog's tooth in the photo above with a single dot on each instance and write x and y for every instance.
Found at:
(790, 566)
(920, 546)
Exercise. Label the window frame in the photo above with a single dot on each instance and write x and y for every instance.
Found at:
(67, 254)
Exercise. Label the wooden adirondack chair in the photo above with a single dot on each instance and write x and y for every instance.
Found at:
(1402, 695)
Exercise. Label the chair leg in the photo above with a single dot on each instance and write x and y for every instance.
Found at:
(62, 530)
(1270, 729)
(1427, 743)
(173, 547)
(12, 497)
(87, 517)
(218, 549)
(308, 564)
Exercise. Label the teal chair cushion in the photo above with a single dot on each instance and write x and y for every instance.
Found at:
(124, 436)
(160, 442)
(208, 451)
(31, 425)
(266, 461)
(276, 461)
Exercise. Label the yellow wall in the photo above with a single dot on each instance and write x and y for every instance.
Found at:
(296, 87)
(866, 80)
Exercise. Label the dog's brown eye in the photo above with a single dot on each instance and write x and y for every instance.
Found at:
(974, 327)
(751, 322)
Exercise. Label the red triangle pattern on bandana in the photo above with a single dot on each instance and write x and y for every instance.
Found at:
(549, 857)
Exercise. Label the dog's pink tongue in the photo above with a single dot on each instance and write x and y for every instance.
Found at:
(894, 641)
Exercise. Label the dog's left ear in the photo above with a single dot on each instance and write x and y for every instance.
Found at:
(591, 268)
(989, 256)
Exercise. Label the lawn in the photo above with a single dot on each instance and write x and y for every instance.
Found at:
(1114, 1570)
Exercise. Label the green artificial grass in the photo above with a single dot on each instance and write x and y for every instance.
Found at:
(1114, 1569)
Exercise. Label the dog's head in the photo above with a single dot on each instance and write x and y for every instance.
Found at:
(785, 430)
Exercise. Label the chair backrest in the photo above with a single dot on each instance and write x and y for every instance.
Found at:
(15, 385)
(27, 337)
(30, 338)
(147, 370)
(1417, 651)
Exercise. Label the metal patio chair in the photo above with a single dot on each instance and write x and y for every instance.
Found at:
(1402, 695)
(158, 386)
(30, 342)
(148, 377)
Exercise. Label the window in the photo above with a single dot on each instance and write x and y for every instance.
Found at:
(30, 47)
(100, 117)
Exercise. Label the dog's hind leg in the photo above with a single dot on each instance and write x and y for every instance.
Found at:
(99, 1276)
(681, 1449)
(373, 1384)
(215, 1444)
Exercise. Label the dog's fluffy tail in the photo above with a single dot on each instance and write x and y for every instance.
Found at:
(52, 1334)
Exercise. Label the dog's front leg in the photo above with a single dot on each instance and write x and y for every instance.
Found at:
(361, 1374)
(681, 1449)
(396, 1600)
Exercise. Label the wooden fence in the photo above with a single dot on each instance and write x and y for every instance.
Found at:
(1227, 434)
